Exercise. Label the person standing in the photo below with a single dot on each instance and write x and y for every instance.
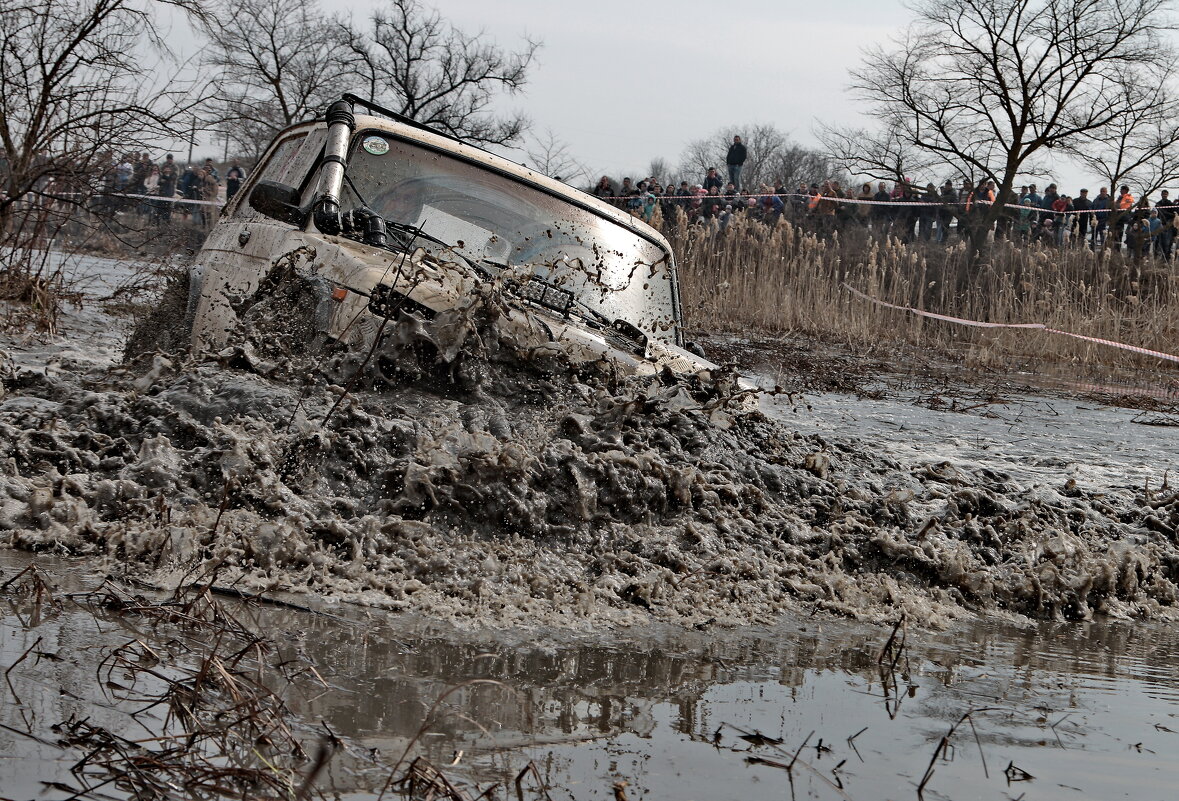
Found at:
(1101, 210)
(929, 212)
(1026, 221)
(825, 206)
(1050, 197)
(945, 214)
(1083, 206)
(151, 187)
(190, 190)
(234, 177)
(1122, 207)
(864, 208)
(962, 209)
(980, 202)
(882, 212)
(1152, 228)
(604, 189)
(1167, 209)
(713, 181)
(735, 160)
(169, 174)
(207, 185)
(212, 171)
(1061, 207)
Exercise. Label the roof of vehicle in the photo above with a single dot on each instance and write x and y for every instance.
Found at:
(438, 141)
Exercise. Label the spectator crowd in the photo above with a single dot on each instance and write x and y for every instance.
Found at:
(158, 191)
(137, 183)
(912, 212)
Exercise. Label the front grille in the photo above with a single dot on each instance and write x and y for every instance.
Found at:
(385, 301)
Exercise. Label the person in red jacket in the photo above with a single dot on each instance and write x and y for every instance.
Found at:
(1062, 205)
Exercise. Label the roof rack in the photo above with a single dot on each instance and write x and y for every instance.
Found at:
(393, 115)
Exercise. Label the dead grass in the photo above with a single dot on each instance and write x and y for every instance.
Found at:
(788, 280)
(39, 242)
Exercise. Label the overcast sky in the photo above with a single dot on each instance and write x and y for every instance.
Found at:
(623, 81)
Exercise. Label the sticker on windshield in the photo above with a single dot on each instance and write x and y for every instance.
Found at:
(375, 145)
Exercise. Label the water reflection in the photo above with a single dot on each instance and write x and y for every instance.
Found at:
(651, 703)
(1090, 706)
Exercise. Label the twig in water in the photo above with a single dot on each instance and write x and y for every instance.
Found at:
(12, 667)
(852, 742)
(799, 751)
(531, 768)
(426, 725)
(1016, 774)
(322, 756)
(944, 746)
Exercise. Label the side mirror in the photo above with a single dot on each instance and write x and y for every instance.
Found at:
(278, 201)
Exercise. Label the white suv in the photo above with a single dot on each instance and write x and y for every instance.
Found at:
(388, 217)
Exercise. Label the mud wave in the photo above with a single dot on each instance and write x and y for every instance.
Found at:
(450, 473)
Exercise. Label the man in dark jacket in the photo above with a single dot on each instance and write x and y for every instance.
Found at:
(949, 199)
(233, 181)
(881, 214)
(1084, 208)
(712, 180)
(734, 160)
(1101, 206)
(169, 173)
(1167, 209)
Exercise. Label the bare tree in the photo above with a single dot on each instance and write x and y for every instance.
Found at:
(796, 164)
(278, 62)
(75, 88)
(548, 154)
(886, 154)
(992, 85)
(420, 65)
(659, 169)
(1140, 148)
(80, 81)
(771, 156)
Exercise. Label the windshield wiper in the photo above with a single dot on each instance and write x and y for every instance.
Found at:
(406, 233)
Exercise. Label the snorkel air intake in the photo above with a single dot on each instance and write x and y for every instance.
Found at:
(341, 123)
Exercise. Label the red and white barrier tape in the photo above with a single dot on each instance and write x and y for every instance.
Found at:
(1038, 326)
(855, 201)
(157, 198)
(160, 198)
(163, 199)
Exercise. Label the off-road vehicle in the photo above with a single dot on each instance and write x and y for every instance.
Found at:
(393, 218)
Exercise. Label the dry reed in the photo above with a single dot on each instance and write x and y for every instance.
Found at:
(788, 280)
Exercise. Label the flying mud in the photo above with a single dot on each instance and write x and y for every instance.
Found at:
(447, 472)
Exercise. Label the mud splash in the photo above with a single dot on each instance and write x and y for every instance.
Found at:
(450, 473)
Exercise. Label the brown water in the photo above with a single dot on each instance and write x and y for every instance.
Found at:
(1086, 709)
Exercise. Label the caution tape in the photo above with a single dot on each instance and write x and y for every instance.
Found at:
(956, 206)
(71, 196)
(1037, 326)
(163, 199)
(160, 198)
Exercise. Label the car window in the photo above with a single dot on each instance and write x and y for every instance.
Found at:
(500, 221)
(289, 163)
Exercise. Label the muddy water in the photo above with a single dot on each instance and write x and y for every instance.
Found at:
(521, 497)
(466, 479)
(646, 710)
(1088, 710)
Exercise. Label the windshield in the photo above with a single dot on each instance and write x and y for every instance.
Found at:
(498, 222)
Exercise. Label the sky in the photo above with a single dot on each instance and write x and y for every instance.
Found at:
(623, 82)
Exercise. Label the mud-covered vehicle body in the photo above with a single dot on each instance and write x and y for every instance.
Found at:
(388, 217)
